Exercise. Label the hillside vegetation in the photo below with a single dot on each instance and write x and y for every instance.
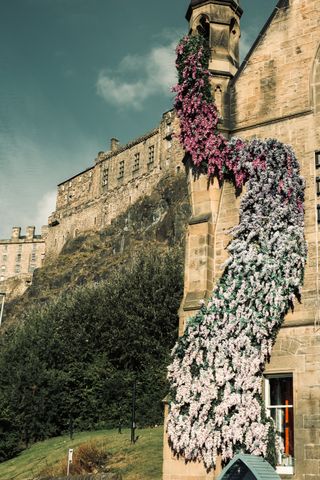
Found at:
(157, 220)
(99, 318)
(141, 461)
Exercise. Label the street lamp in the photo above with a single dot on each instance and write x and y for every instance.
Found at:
(2, 306)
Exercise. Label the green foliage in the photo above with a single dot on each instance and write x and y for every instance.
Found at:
(75, 360)
(271, 455)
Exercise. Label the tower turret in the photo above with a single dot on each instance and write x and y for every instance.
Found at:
(219, 22)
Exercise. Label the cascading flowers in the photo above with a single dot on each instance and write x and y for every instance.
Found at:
(216, 371)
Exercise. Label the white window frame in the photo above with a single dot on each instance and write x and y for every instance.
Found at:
(284, 470)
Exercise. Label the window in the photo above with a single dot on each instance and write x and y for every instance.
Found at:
(17, 269)
(279, 404)
(4, 257)
(318, 185)
(33, 257)
(105, 177)
(318, 213)
(317, 159)
(136, 162)
(3, 268)
(20, 247)
(203, 27)
(34, 246)
(18, 257)
(32, 268)
(121, 169)
(151, 157)
(5, 248)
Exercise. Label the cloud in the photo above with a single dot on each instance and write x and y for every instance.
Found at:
(45, 207)
(30, 172)
(150, 74)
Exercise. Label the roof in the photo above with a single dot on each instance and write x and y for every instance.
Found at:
(281, 4)
(250, 467)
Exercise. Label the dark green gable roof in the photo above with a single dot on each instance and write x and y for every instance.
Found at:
(248, 467)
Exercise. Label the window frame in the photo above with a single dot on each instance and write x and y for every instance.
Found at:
(136, 162)
(121, 170)
(105, 178)
(151, 156)
(282, 470)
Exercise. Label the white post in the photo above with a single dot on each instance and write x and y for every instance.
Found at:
(2, 306)
(70, 455)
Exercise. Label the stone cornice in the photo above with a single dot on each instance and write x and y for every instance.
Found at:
(230, 3)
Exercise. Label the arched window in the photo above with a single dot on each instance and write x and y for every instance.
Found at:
(316, 83)
(202, 26)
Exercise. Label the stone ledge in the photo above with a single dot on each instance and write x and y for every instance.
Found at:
(204, 218)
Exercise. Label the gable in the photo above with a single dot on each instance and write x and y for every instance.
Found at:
(274, 80)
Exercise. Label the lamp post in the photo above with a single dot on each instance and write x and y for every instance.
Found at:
(2, 306)
(133, 413)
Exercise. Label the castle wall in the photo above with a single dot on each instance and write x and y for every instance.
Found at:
(92, 199)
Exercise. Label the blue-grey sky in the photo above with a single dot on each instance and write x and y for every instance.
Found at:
(75, 73)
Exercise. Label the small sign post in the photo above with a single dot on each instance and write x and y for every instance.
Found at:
(70, 455)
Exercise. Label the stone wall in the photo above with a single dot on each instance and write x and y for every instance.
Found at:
(92, 199)
(99, 476)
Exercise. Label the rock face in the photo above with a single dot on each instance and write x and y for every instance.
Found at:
(159, 219)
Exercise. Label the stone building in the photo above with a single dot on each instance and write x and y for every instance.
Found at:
(274, 93)
(19, 257)
(91, 199)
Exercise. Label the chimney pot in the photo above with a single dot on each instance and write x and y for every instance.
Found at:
(15, 235)
(114, 144)
(30, 232)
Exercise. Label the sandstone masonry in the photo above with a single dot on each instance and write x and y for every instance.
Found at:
(274, 93)
(19, 257)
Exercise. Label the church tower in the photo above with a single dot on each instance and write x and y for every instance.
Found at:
(219, 22)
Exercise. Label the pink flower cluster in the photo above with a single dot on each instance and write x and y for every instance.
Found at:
(198, 114)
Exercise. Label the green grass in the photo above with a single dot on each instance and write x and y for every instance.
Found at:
(141, 461)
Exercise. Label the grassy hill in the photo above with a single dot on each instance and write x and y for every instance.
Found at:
(141, 461)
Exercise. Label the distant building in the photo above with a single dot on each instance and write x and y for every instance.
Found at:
(19, 257)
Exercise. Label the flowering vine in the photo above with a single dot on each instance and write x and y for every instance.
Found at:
(216, 370)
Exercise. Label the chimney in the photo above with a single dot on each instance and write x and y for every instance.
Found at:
(30, 233)
(15, 235)
(114, 144)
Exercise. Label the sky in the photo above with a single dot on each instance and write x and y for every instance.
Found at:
(74, 74)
